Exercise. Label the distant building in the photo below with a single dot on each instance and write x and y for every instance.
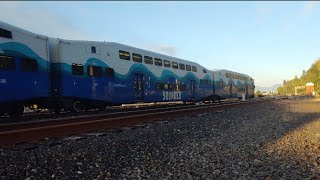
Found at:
(310, 89)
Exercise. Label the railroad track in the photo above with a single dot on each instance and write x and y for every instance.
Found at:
(33, 131)
(45, 115)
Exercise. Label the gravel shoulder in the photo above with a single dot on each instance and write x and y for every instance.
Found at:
(271, 140)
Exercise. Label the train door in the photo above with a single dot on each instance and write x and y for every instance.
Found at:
(230, 89)
(192, 89)
(138, 87)
(246, 91)
(213, 88)
(7, 78)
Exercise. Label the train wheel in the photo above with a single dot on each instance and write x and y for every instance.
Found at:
(16, 111)
(76, 106)
(87, 108)
(57, 110)
(102, 108)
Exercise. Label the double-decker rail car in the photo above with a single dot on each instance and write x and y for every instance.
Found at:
(230, 84)
(89, 74)
(74, 75)
(24, 69)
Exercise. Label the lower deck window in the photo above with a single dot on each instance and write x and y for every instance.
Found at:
(160, 86)
(7, 63)
(28, 64)
(183, 87)
(176, 87)
(110, 72)
(168, 86)
(77, 69)
(94, 71)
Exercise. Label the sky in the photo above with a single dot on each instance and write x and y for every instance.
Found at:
(270, 41)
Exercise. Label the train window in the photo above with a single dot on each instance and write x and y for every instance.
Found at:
(168, 86)
(201, 81)
(204, 71)
(137, 57)
(110, 72)
(7, 63)
(124, 55)
(160, 86)
(148, 60)
(176, 87)
(93, 49)
(158, 62)
(174, 65)
(5, 33)
(222, 84)
(188, 67)
(94, 71)
(182, 66)
(194, 68)
(28, 64)
(183, 87)
(77, 69)
(166, 63)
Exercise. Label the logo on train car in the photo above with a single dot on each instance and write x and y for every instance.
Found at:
(116, 85)
(171, 95)
(3, 81)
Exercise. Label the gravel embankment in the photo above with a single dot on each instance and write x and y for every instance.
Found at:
(264, 141)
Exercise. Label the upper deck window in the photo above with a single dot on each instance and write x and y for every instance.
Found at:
(174, 65)
(204, 71)
(5, 33)
(148, 60)
(188, 67)
(7, 63)
(124, 55)
(94, 71)
(77, 69)
(182, 66)
(158, 62)
(166, 63)
(93, 50)
(194, 68)
(137, 57)
(28, 64)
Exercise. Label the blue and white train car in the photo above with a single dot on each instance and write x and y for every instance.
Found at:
(24, 69)
(95, 74)
(230, 84)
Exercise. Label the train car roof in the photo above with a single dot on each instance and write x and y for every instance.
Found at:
(20, 30)
(220, 70)
(129, 47)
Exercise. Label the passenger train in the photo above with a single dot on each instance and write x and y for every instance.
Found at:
(79, 75)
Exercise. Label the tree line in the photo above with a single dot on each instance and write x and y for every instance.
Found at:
(311, 75)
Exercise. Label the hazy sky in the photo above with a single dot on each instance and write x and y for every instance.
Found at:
(270, 41)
